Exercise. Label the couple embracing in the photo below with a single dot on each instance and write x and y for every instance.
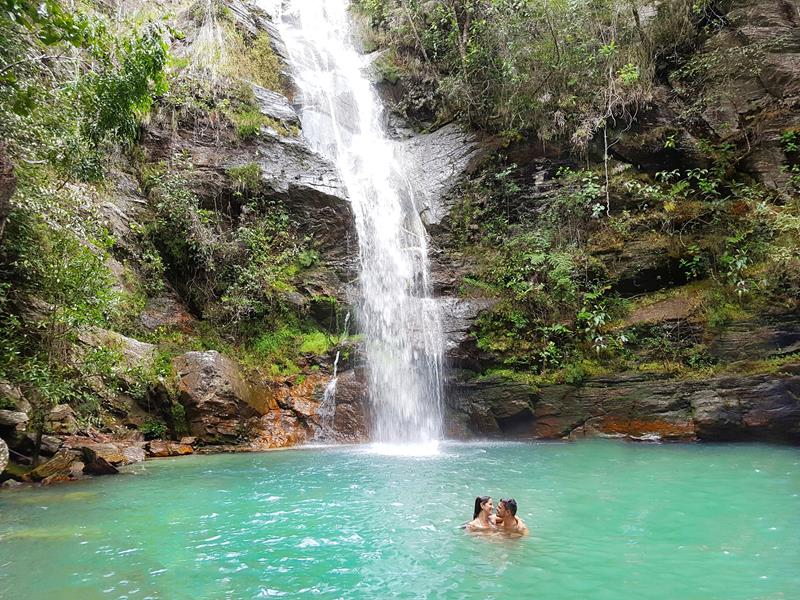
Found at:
(506, 519)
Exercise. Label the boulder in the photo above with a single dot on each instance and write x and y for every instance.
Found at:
(58, 468)
(168, 311)
(133, 454)
(135, 355)
(163, 449)
(3, 455)
(61, 420)
(11, 396)
(218, 401)
(96, 463)
(350, 421)
(24, 443)
(13, 419)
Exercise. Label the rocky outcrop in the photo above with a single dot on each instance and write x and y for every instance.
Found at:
(458, 322)
(13, 420)
(11, 396)
(766, 337)
(637, 406)
(490, 407)
(162, 449)
(291, 172)
(64, 466)
(218, 401)
(747, 93)
(61, 420)
(435, 163)
(168, 311)
(350, 420)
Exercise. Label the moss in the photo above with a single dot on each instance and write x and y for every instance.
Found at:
(315, 342)
(571, 373)
(16, 470)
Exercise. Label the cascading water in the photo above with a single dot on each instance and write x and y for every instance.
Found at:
(342, 119)
(327, 408)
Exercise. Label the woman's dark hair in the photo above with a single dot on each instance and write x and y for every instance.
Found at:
(478, 501)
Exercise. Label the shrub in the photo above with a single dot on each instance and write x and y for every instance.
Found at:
(153, 429)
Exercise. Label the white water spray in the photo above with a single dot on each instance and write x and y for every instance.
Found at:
(342, 119)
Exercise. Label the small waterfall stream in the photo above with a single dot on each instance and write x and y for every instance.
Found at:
(342, 119)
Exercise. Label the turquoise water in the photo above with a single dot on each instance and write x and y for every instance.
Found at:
(608, 521)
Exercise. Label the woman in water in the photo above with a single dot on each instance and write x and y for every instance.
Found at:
(482, 518)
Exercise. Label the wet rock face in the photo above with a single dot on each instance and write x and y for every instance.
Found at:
(350, 421)
(761, 407)
(775, 336)
(435, 163)
(217, 399)
(458, 322)
(491, 407)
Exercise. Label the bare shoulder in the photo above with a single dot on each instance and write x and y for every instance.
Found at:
(521, 526)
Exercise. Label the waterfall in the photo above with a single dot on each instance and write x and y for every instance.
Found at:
(342, 119)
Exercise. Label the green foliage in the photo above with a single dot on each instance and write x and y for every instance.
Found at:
(254, 60)
(562, 70)
(249, 120)
(52, 113)
(153, 429)
(247, 178)
(66, 284)
(315, 342)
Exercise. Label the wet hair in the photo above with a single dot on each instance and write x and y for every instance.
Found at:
(478, 501)
(511, 506)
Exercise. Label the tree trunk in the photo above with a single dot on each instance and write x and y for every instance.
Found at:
(8, 184)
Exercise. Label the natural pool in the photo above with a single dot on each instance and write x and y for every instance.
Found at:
(609, 521)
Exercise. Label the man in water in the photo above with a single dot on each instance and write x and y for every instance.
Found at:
(507, 519)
